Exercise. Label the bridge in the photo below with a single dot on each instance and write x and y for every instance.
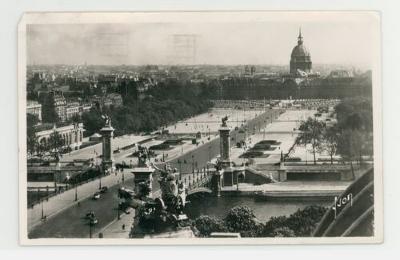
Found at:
(352, 214)
(199, 190)
(198, 182)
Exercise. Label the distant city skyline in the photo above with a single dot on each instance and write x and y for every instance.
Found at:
(258, 43)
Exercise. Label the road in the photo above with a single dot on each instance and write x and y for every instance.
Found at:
(71, 223)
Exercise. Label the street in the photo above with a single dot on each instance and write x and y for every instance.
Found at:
(71, 223)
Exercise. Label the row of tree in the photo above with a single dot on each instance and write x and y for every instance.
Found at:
(164, 105)
(241, 219)
(351, 136)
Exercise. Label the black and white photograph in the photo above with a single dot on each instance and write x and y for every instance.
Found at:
(245, 127)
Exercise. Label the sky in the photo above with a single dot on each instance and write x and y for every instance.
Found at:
(330, 41)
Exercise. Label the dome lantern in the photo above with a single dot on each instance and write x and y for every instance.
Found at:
(300, 38)
(300, 58)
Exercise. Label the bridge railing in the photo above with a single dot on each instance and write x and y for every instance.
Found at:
(200, 178)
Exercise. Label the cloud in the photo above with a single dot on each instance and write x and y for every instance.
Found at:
(216, 43)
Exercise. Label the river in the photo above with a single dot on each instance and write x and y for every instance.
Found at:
(264, 210)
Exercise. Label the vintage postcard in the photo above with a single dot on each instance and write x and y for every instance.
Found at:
(246, 127)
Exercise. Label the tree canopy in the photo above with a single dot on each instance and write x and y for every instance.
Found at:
(164, 104)
(311, 133)
(242, 219)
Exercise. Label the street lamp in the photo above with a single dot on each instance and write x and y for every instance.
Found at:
(192, 163)
(57, 176)
(305, 146)
(180, 169)
(237, 181)
(38, 194)
(92, 222)
(76, 192)
(118, 216)
(265, 126)
(90, 229)
(42, 211)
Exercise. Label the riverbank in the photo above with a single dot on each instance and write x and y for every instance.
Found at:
(288, 190)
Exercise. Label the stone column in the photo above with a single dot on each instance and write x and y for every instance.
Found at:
(107, 133)
(224, 136)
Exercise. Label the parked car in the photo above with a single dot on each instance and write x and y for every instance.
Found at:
(89, 215)
(96, 196)
(103, 189)
(94, 221)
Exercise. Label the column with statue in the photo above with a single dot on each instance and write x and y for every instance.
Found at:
(107, 133)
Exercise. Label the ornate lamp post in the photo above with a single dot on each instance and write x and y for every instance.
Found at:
(100, 181)
(192, 163)
(92, 223)
(118, 213)
(76, 191)
(90, 229)
(42, 210)
(180, 169)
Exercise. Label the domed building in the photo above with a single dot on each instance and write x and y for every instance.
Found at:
(300, 60)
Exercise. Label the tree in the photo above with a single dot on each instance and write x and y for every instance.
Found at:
(31, 141)
(31, 138)
(330, 141)
(92, 121)
(242, 219)
(301, 223)
(356, 128)
(353, 144)
(42, 147)
(304, 221)
(31, 120)
(273, 224)
(312, 130)
(283, 232)
(355, 114)
(206, 225)
(55, 142)
(49, 113)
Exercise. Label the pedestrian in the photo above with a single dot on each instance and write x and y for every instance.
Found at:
(123, 226)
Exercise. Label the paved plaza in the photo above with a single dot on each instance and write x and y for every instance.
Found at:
(285, 131)
(94, 151)
(211, 121)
